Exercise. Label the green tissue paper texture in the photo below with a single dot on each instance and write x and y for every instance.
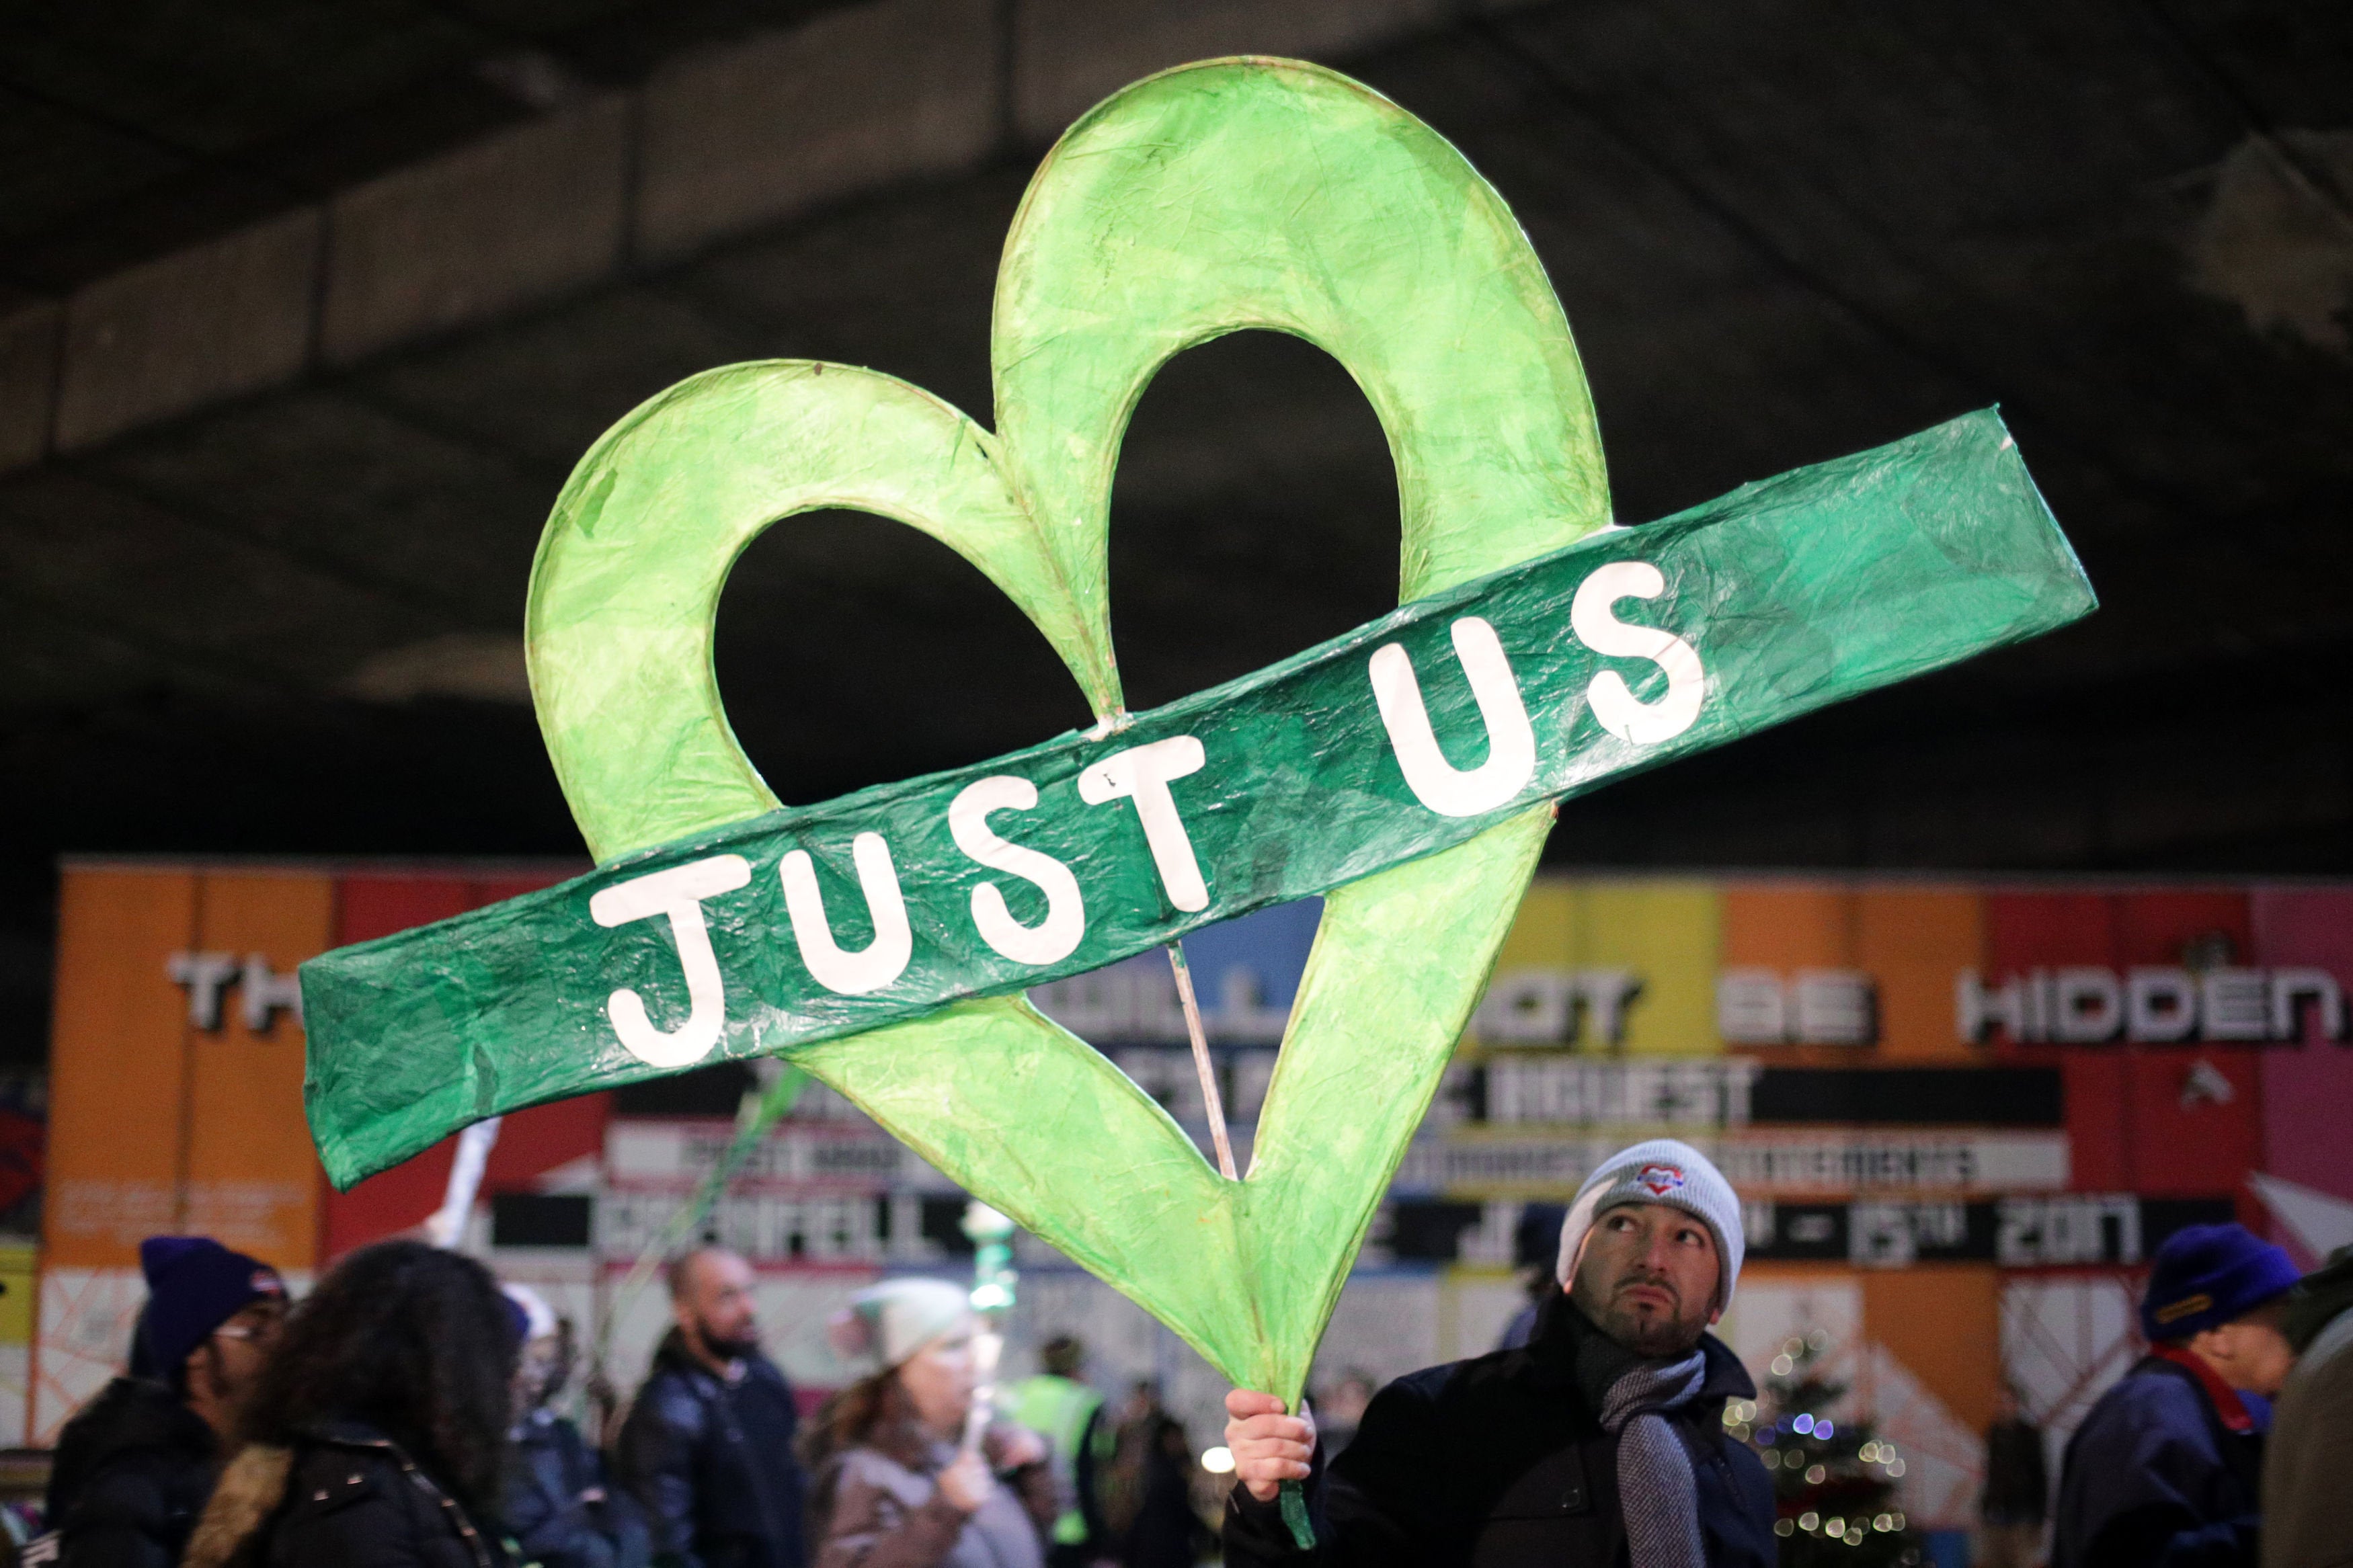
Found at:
(1217, 197)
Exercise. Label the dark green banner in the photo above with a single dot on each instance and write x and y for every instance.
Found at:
(1405, 737)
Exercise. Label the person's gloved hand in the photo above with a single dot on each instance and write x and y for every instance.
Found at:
(966, 1482)
(1269, 1447)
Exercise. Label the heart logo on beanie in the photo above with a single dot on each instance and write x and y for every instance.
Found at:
(1659, 1180)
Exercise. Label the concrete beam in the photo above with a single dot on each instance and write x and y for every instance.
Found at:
(854, 100)
(528, 213)
(217, 321)
(717, 143)
(1071, 54)
(28, 378)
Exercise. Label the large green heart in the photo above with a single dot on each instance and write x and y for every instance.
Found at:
(1230, 194)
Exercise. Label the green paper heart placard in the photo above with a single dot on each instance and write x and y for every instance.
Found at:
(882, 941)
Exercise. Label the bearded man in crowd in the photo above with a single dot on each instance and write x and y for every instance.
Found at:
(1600, 1441)
(708, 1447)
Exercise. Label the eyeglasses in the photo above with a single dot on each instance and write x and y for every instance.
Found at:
(259, 1331)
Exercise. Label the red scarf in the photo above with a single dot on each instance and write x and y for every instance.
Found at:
(2225, 1399)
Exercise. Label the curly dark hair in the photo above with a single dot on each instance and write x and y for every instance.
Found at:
(417, 1343)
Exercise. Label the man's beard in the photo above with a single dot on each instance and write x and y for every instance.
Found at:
(1652, 1335)
(726, 1349)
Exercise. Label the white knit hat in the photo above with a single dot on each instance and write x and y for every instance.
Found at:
(539, 1318)
(886, 1323)
(1661, 1170)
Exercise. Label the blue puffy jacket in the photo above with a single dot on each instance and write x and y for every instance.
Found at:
(2155, 1479)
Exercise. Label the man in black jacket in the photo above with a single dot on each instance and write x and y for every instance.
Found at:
(1600, 1442)
(708, 1445)
(135, 1466)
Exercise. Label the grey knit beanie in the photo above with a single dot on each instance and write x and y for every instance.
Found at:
(1661, 1170)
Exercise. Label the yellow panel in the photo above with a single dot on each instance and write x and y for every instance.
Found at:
(1667, 931)
(17, 1294)
(253, 1178)
(1542, 933)
(117, 1041)
(1913, 940)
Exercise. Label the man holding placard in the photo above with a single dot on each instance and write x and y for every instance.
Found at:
(1599, 1441)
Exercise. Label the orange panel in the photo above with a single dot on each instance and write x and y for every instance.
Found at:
(1787, 928)
(253, 1178)
(1943, 1321)
(1913, 940)
(118, 1040)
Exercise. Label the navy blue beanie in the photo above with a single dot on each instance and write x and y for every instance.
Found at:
(2206, 1275)
(194, 1286)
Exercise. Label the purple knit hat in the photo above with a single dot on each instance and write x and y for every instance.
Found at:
(2206, 1275)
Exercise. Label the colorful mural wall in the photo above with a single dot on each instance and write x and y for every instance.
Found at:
(1960, 1117)
(176, 1094)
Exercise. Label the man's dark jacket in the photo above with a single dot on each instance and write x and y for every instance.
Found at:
(2153, 1478)
(132, 1472)
(1502, 1461)
(559, 1507)
(711, 1463)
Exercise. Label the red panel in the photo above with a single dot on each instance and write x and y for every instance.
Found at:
(2307, 1087)
(2199, 1148)
(2042, 930)
(496, 890)
(2162, 927)
(2128, 1127)
(531, 1142)
(372, 905)
(2027, 930)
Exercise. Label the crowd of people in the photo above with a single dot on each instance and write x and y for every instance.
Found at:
(406, 1415)
(1595, 1438)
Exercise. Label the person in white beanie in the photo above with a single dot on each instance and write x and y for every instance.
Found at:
(1598, 1443)
(894, 1488)
(560, 1507)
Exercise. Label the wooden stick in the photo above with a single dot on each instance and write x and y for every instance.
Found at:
(988, 1351)
(1201, 1064)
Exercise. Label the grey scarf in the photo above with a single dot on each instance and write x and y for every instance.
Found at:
(1656, 1492)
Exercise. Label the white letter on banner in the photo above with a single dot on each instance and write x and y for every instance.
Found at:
(880, 961)
(1053, 938)
(1642, 724)
(1140, 774)
(679, 893)
(1438, 784)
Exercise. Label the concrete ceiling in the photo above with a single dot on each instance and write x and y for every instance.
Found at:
(279, 615)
